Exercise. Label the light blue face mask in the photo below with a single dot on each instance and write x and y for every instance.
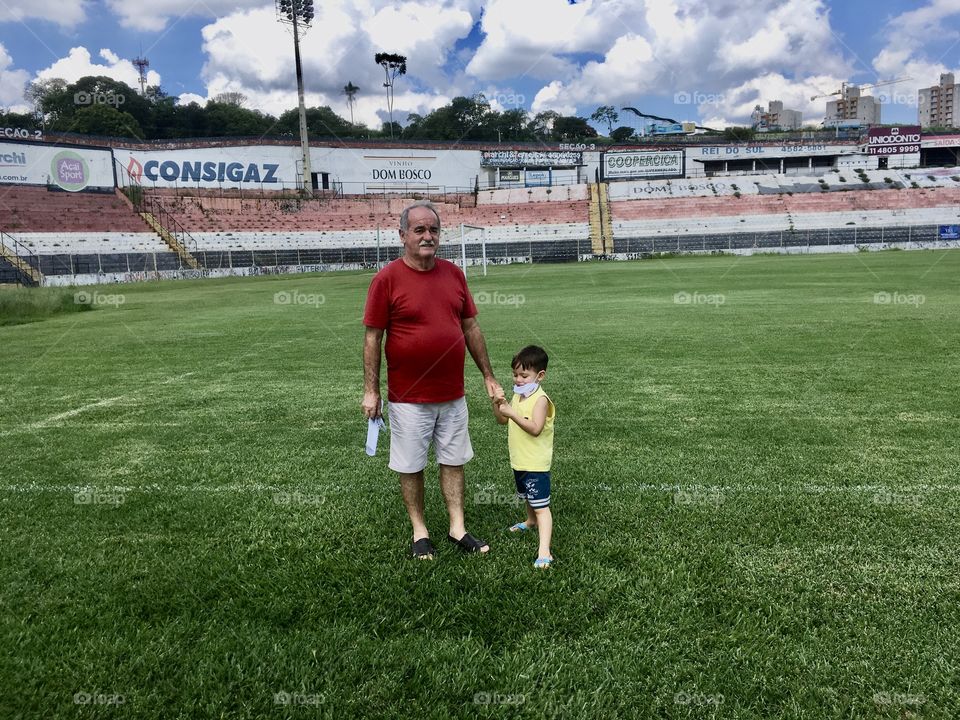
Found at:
(528, 389)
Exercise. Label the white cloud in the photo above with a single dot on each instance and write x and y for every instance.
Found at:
(154, 15)
(718, 50)
(65, 13)
(338, 49)
(915, 41)
(79, 63)
(735, 105)
(187, 98)
(532, 38)
(12, 84)
(551, 98)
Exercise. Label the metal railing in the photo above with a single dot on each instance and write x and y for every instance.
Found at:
(144, 202)
(10, 245)
(143, 266)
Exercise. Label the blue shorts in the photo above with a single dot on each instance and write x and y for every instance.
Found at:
(534, 487)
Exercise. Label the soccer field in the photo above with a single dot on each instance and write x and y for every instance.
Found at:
(755, 502)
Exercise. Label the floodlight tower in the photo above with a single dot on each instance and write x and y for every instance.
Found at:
(299, 14)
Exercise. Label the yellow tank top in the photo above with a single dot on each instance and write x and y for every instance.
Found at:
(526, 451)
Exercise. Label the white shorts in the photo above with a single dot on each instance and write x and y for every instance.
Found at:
(414, 425)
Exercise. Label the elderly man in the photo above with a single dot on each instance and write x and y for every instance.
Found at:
(423, 304)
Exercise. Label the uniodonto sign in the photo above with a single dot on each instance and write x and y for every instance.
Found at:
(894, 140)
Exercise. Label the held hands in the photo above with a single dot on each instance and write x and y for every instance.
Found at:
(493, 387)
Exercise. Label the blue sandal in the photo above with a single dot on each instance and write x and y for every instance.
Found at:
(522, 527)
(542, 563)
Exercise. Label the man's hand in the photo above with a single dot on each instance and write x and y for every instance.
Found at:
(493, 387)
(371, 405)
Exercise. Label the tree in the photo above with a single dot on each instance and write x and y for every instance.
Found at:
(512, 125)
(606, 114)
(621, 134)
(106, 120)
(321, 122)
(541, 127)
(738, 134)
(231, 98)
(393, 66)
(567, 128)
(225, 120)
(351, 90)
(49, 99)
(392, 129)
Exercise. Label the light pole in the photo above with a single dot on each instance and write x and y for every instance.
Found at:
(299, 14)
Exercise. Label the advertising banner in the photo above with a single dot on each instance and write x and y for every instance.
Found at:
(537, 178)
(643, 164)
(69, 168)
(893, 140)
(267, 167)
(530, 158)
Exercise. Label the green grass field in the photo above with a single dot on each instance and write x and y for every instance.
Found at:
(755, 498)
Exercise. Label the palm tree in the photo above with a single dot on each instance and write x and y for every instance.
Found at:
(350, 90)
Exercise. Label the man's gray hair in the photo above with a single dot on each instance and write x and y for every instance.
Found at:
(404, 216)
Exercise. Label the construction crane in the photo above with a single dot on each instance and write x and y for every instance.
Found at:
(843, 88)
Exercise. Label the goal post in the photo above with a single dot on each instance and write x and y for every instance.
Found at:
(473, 235)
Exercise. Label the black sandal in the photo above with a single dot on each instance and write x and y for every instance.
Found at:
(423, 549)
(468, 543)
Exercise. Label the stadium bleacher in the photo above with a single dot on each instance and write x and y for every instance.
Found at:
(76, 233)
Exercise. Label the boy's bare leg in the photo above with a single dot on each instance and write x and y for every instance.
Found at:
(545, 523)
(452, 486)
(411, 487)
(531, 516)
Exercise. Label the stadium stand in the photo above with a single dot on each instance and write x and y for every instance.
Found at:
(36, 209)
(71, 234)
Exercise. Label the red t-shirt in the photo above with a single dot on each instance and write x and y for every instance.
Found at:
(422, 312)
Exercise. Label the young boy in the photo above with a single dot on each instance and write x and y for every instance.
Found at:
(530, 436)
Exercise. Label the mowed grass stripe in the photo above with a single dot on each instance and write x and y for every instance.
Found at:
(755, 501)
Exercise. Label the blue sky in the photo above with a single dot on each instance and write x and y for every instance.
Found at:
(705, 61)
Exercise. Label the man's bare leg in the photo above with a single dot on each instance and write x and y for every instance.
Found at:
(452, 485)
(411, 487)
